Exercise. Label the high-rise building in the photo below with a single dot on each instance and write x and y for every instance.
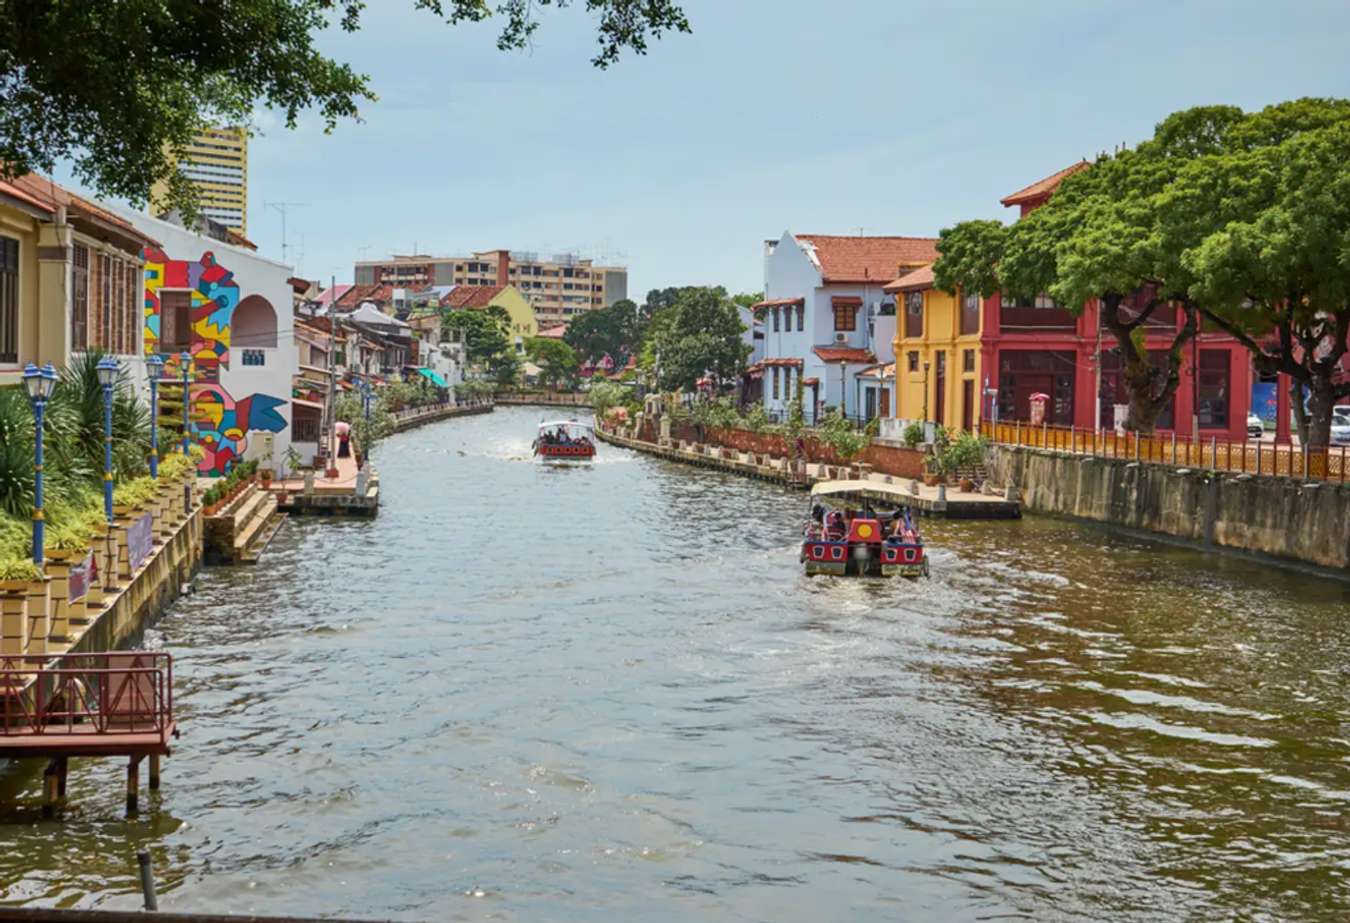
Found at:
(558, 288)
(216, 162)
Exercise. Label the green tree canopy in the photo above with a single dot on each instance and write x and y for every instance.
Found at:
(484, 332)
(698, 333)
(118, 88)
(614, 331)
(556, 359)
(1127, 233)
(1271, 211)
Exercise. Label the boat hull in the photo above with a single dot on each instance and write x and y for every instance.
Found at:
(565, 452)
(864, 559)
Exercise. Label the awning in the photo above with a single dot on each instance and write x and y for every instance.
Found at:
(303, 403)
(435, 378)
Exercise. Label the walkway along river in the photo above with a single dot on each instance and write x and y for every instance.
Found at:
(607, 693)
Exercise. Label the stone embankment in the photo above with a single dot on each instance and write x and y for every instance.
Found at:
(420, 416)
(888, 488)
(543, 398)
(1283, 517)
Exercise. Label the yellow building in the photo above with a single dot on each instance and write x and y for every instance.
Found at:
(937, 352)
(507, 297)
(216, 163)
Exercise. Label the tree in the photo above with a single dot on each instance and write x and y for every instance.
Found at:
(748, 299)
(614, 331)
(698, 334)
(1272, 263)
(484, 332)
(556, 359)
(119, 88)
(1103, 237)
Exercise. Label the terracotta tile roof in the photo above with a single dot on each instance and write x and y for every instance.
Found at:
(868, 259)
(1042, 188)
(881, 371)
(553, 333)
(352, 297)
(849, 354)
(239, 240)
(810, 382)
(471, 296)
(47, 196)
(781, 362)
(915, 281)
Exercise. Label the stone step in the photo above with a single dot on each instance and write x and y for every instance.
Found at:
(263, 537)
(246, 530)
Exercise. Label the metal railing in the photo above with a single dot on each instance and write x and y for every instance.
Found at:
(1246, 457)
(118, 692)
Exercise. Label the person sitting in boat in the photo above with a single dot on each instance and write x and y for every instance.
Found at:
(815, 526)
(901, 529)
(836, 527)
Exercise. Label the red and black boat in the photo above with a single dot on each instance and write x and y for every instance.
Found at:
(565, 440)
(860, 542)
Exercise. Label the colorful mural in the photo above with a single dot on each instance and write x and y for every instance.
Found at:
(220, 423)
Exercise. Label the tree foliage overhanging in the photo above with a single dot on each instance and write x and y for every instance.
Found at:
(697, 333)
(1242, 219)
(119, 88)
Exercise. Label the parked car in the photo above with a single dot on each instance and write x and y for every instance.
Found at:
(1256, 427)
(1340, 426)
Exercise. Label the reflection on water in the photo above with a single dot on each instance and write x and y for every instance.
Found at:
(605, 692)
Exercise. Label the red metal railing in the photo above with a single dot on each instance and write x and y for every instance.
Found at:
(1256, 458)
(118, 692)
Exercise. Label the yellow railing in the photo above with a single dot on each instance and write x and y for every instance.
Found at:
(1256, 458)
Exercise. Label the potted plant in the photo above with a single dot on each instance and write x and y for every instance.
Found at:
(17, 573)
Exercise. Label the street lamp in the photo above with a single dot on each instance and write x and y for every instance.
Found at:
(185, 360)
(154, 368)
(107, 377)
(39, 384)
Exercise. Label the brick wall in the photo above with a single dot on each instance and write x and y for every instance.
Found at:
(897, 462)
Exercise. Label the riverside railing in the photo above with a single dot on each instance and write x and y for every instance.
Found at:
(1246, 457)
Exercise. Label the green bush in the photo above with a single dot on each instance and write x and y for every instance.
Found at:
(912, 435)
(837, 432)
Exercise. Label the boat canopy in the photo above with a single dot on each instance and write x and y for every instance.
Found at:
(826, 488)
(565, 423)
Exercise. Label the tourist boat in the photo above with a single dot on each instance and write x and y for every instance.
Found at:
(565, 440)
(852, 542)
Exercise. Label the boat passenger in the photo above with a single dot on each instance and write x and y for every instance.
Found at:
(835, 526)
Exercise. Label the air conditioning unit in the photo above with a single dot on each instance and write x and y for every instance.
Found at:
(840, 338)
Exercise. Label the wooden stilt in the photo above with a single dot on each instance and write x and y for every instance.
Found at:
(154, 772)
(133, 783)
(51, 787)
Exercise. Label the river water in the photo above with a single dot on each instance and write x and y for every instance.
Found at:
(607, 693)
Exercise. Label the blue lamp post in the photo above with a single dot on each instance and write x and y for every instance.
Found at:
(39, 384)
(185, 360)
(107, 377)
(154, 368)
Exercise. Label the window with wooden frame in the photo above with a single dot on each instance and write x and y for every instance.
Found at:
(775, 382)
(175, 321)
(774, 312)
(801, 317)
(846, 314)
(970, 313)
(912, 358)
(9, 299)
(967, 360)
(914, 314)
(79, 299)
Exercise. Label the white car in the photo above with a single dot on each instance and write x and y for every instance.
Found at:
(1340, 426)
(1256, 427)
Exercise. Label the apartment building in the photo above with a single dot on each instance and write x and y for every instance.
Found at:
(558, 288)
(216, 162)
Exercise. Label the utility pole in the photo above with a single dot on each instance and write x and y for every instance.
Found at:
(332, 384)
(282, 207)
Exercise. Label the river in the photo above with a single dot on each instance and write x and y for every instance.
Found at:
(607, 693)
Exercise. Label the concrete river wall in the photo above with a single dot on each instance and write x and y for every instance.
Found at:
(1285, 517)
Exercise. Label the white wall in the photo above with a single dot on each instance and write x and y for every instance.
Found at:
(253, 275)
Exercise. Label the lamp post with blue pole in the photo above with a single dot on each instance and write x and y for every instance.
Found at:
(185, 360)
(107, 377)
(39, 384)
(154, 368)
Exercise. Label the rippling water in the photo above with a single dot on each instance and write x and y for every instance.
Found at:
(607, 693)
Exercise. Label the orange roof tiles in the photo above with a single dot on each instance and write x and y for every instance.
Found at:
(46, 195)
(844, 354)
(881, 371)
(868, 259)
(378, 293)
(776, 303)
(915, 281)
(471, 296)
(554, 333)
(1042, 188)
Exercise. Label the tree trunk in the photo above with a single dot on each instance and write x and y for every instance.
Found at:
(1321, 399)
(1150, 387)
(1300, 412)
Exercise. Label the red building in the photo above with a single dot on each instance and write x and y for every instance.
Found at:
(1038, 346)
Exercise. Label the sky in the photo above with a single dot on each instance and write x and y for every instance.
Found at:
(842, 117)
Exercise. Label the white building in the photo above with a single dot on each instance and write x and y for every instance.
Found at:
(827, 318)
(231, 309)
